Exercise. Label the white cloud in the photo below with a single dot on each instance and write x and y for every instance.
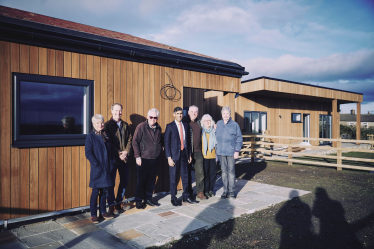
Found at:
(345, 66)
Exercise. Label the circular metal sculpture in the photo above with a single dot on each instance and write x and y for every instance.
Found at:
(169, 92)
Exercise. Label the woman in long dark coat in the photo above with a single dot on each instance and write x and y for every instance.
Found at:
(100, 153)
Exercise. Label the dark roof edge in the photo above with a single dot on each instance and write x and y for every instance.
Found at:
(264, 77)
(37, 34)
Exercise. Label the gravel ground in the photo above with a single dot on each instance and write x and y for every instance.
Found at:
(338, 214)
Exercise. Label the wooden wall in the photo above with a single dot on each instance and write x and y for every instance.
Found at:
(38, 180)
(215, 100)
(275, 107)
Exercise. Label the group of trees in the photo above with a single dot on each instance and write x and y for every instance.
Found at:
(349, 132)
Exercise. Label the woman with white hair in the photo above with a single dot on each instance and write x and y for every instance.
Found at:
(209, 143)
(100, 153)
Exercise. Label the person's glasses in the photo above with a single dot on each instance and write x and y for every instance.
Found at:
(153, 117)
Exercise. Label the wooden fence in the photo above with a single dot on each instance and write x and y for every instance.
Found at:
(265, 149)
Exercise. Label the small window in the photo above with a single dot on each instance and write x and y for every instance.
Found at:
(351, 123)
(296, 117)
(365, 125)
(51, 111)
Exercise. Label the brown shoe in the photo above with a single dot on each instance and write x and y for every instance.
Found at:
(125, 207)
(108, 216)
(95, 219)
(111, 210)
(201, 196)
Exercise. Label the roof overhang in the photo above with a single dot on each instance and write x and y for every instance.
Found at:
(287, 89)
(42, 35)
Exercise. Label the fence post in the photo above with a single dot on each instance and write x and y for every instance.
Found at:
(339, 154)
(252, 149)
(290, 150)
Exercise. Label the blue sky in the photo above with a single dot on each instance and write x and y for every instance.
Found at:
(323, 42)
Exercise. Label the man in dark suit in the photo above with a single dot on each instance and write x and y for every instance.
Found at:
(178, 152)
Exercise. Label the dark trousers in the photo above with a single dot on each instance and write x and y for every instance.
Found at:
(185, 170)
(103, 194)
(146, 179)
(210, 171)
(123, 171)
(199, 171)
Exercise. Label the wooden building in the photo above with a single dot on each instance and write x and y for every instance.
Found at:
(41, 172)
(43, 166)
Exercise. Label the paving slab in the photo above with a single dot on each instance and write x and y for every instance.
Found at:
(85, 229)
(38, 228)
(255, 206)
(127, 222)
(78, 223)
(13, 245)
(245, 199)
(210, 200)
(97, 239)
(250, 194)
(48, 237)
(66, 220)
(208, 215)
(156, 232)
(7, 237)
(226, 204)
(53, 245)
(264, 189)
(236, 211)
(129, 235)
(182, 224)
(162, 208)
(271, 199)
(142, 242)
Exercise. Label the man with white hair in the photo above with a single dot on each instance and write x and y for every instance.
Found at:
(197, 155)
(147, 144)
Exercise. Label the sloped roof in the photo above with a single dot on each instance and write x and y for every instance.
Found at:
(37, 18)
(353, 117)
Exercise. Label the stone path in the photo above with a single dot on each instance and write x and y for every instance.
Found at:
(152, 226)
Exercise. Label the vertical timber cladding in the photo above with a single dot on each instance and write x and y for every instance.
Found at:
(37, 180)
(215, 100)
(279, 114)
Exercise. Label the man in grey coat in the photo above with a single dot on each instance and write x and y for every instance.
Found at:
(229, 143)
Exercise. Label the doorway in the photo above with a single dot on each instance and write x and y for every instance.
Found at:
(306, 126)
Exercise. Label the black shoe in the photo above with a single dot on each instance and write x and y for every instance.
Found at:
(231, 195)
(175, 202)
(189, 200)
(139, 205)
(151, 203)
(224, 195)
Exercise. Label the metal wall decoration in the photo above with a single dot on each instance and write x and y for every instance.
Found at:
(169, 92)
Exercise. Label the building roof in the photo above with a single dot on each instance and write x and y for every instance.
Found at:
(71, 33)
(353, 117)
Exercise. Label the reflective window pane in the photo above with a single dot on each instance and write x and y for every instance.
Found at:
(52, 109)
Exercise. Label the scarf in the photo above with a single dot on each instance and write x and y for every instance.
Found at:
(101, 133)
(212, 139)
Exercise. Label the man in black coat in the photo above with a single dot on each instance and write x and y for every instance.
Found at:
(178, 153)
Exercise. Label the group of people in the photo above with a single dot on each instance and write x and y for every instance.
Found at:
(187, 141)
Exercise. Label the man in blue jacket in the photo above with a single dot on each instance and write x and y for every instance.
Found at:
(229, 143)
(178, 153)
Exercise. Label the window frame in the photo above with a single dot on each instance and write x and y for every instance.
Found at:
(38, 141)
(295, 121)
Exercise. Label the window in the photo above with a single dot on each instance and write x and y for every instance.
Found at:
(365, 125)
(351, 123)
(255, 122)
(296, 117)
(325, 128)
(51, 111)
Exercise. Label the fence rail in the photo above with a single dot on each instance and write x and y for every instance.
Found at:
(265, 149)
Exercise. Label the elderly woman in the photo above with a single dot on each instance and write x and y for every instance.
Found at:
(209, 143)
(229, 143)
(100, 153)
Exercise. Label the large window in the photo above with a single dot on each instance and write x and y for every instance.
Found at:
(51, 111)
(255, 122)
